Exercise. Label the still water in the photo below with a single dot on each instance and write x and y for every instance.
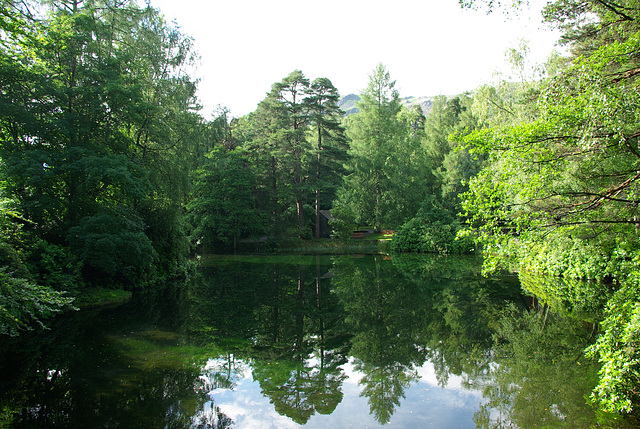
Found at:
(290, 341)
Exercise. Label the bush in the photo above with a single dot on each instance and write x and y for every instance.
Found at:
(113, 247)
(343, 222)
(618, 349)
(23, 302)
(53, 265)
(433, 230)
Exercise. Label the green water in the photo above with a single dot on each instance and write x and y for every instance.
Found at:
(289, 341)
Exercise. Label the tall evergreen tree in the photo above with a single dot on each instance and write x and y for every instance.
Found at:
(279, 141)
(377, 189)
(330, 142)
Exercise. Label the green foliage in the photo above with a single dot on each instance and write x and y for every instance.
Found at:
(618, 349)
(579, 299)
(451, 165)
(165, 227)
(53, 265)
(330, 144)
(23, 302)
(538, 348)
(559, 194)
(112, 246)
(491, 4)
(572, 169)
(433, 230)
(98, 133)
(296, 147)
(385, 176)
(223, 208)
(343, 222)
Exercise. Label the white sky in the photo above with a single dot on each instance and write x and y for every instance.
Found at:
(430, 47)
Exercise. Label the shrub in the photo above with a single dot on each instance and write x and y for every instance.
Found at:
(113, 246)
(433, 230)
(23, 302)
(618, 349)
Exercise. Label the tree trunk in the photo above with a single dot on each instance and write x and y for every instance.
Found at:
(297, 180)
(274, 190)
(318, 183)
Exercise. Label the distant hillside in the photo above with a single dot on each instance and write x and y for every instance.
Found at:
(424, 102)
(348, 103)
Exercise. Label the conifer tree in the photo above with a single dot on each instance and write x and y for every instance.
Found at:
(330, 142)
(376, 191)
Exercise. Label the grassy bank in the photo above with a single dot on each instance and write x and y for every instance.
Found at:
(335, 247)
(98, 297)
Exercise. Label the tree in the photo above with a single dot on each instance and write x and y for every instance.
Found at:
(279, 141)
(571, 173)
(292, 116)
(297, 146)
(452, 165)
(223, 207)
(325, 116)
(446, 167)
(560, 192)
(379, 188)
(98, 113)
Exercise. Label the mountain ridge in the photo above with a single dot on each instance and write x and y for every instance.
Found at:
(348, 103)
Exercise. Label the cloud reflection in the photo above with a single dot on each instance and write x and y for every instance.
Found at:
(425, 403)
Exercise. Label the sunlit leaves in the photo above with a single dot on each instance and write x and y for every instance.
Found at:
(23, 302)
(561, 194)
(618, 350)
(575, 165)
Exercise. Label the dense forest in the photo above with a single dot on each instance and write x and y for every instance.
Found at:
(110, 176)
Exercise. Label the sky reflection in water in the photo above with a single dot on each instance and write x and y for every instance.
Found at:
(426, 404)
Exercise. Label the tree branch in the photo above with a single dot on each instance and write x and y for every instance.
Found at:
(613, 7)
(626, 75)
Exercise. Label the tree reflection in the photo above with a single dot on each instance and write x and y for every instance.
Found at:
(224, 372)
(291, 328)
(98, 375)
(386, 314)
(326, 381)
(295, 368)
(410, 309)
(293, 323)
(540, 376)
(384, 387)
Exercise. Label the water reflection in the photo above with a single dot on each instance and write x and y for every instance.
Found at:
(315, 341)
(540, 377)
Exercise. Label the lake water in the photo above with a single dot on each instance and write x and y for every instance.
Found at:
(321, 342)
